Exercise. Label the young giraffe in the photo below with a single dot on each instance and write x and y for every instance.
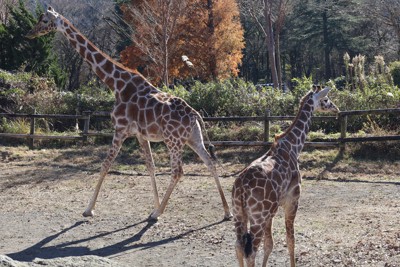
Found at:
(140, 109)
(271, 181)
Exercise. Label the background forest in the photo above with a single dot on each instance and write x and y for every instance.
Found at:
(225, 57)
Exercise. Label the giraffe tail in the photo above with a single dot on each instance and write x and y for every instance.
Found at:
(240, 215)
(211, 147)
(248, 247)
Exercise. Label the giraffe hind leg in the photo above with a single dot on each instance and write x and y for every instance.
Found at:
(197, 145)
(253, 240)
(176, 174)
(160, 210)
(241, 240)
(268, 242)
(200, 150)
(240, 253)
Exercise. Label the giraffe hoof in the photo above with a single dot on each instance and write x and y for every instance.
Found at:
(154, 215)
(228, 217)
(152, 220)
(88, 213)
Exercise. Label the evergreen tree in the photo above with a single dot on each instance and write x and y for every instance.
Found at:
(19, 53)
(4, 47)
(318, 34)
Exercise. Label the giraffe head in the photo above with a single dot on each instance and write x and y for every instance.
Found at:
(47, 23)
(321, 101)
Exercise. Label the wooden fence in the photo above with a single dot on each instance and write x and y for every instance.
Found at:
(267, 119)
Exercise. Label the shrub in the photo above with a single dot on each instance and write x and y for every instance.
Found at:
(376, 151)
(23, 93)
(302, 86)
(17, 126)
(395, 71)
(373, 97)
(235, 97)
(88, 98)
(251, 133)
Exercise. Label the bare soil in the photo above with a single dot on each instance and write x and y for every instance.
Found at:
(349, 212)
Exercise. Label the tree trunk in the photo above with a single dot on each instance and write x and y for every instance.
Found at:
(278, 60)
(270, 42)
(165, 19)
(165, 65)
(328, 72)
(211, 30)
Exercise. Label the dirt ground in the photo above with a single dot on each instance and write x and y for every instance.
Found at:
(348, 217)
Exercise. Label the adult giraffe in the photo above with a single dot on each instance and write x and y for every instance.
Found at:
(271, 181)
(140, 109)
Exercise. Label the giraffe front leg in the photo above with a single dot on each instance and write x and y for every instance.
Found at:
(89, 212)
(290, 215)
(112, 153)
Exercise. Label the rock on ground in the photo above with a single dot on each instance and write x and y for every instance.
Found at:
(83, 261)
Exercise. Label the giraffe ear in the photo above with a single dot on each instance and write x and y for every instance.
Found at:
(322, 93)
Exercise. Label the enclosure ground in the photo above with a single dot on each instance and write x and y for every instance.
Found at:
(348, 216)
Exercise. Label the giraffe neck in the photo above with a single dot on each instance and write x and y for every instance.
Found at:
(112, 73)
(296, 134)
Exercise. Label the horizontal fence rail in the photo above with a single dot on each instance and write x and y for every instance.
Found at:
(83, 135)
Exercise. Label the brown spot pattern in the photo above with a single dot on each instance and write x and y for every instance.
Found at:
(141, 109)
(272, 180)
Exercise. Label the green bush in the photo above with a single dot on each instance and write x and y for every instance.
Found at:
(25, 92)
(395, 71)
(378, 97)
(88, 98)
(388, 150)
(16, 126)
(239, 98)
(235, 97)
(251, 133)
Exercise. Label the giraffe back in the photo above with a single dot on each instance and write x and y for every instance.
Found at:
(144, 110)
(267, 183)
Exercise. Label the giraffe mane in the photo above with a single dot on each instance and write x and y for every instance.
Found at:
(120, 65)
(316, 88)
(302, 102)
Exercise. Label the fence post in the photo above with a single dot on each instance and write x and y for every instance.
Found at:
(86, 125)
(32, 130)
(266, 125)
(343, 130)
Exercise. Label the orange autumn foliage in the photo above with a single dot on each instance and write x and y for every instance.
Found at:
(213, 46)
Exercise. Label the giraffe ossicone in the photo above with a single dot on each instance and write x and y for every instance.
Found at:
(140, 110)
(273, 181)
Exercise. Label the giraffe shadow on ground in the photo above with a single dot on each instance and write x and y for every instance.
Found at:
(39, 249)
(70, 248)
(351, 181)
(331, 165)
(322, 175)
